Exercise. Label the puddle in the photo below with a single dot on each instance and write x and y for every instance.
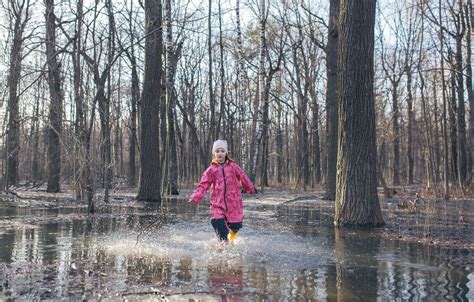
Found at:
(140, 251)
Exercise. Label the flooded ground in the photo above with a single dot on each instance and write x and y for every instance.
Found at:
(287, 250)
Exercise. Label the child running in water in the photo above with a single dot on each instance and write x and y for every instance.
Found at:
(225, 178)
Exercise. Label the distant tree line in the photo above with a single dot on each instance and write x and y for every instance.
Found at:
(122, 93)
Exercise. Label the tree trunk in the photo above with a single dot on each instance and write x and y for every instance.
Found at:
(436, 138)
(396, 136)
(301, 130)
(410, 126)
(150, 187)
(118, 158)
(461, 110)
(445, 118)
(452, 126)
(20, 18)
(212, 102)
(316, 145)
(221, 124)
(80, 130)
(279, 147)
(35, 166)
(134, 100)
(132, 176)
(470, 92)
(331, 100)
(172, 180)
(258, 134)
(56, 95)
(104, 106)
(356, 194)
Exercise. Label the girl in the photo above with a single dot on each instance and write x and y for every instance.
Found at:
(225, 178)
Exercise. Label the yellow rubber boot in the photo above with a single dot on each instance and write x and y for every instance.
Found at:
(232, 236)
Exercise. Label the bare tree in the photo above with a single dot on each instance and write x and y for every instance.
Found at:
(356, 196)
(445, 118)
(150, 187)
(394, 67)
(469, 16)
(170, 185)
(331, 99)
(19, 15)
(56, 104)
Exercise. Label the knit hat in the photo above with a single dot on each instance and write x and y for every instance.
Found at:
(220, 143)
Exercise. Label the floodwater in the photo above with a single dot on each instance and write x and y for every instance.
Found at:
(144, 251)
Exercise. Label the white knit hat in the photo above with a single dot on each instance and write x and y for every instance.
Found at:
(220, 143)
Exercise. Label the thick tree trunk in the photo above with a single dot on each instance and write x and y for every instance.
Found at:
(150, 187)
(356, 194)
(56, 104)
(331, 100)
(13, 137)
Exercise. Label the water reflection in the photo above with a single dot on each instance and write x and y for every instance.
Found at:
(140, 248)
(356, 266)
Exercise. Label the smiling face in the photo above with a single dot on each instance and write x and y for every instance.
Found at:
(220, 154)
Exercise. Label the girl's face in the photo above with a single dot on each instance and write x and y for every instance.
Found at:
(220, 155)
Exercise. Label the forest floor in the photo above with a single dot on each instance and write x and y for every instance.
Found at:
(412, 214)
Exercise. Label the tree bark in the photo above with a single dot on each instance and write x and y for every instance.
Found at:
(56, 105)
(20, 13)
(134, 100)
(461, 109)
(356, 194)
(81, 164)
(470, 92)
(35, 166)
(410, 127)
(445, 118)
(262, 112)
(172, 180)
(132, 176)
(150, 187)
(453, 125)
(396, 134)
(212, 102)
(331, 100)
(221, 124)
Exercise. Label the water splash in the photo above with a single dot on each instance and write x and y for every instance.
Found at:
(196, 240)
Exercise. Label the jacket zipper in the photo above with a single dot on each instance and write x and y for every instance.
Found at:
(225, 187)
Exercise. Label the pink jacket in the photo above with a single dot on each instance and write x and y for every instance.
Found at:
(225, 181)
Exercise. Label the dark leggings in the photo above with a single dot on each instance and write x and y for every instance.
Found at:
(220, 227)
